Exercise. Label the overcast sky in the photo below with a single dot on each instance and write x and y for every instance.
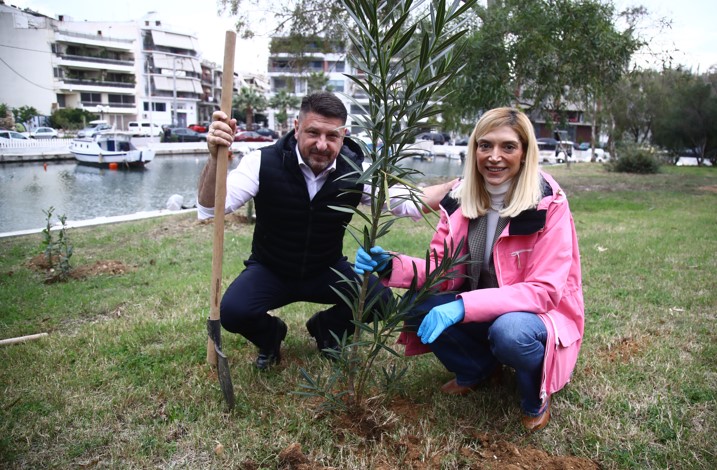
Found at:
(691, 40)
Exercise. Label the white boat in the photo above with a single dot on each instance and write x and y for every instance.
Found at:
(110, 150)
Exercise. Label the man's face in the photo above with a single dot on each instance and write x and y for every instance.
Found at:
(320, 140)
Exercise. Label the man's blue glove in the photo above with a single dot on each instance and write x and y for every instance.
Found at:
(367, 263)
(440, 318)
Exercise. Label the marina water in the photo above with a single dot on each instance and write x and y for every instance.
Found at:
(82, 192)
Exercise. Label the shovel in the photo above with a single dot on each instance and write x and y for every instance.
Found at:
(215, 356)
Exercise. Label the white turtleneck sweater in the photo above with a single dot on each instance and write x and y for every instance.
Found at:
(497, 196)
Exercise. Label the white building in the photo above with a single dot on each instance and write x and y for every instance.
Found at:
(121, 71)
(292, 73)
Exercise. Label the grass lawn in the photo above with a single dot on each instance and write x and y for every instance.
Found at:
(121, 380)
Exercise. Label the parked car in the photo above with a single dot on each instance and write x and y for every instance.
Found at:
(554, 151)
(203, 127)
(11, 135)
(267, 132)
(94, 127)
(183, 134)
(251, 136)
(437, 137)
(144, 128)
(44, 133)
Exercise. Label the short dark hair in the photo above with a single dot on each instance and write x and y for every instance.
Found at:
(324, 103)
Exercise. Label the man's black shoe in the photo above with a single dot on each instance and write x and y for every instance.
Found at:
(324, 339)
(271, 356)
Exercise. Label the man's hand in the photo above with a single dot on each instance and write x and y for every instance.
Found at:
(440, 318)
(367, 263)
(433, 195)
(221, 132)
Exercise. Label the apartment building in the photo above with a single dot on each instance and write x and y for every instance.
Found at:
(291, 70)
(121, 71)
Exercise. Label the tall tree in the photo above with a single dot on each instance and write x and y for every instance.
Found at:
(317, 81)
(282, 102)
(540, 55)
(249, 101)
(636, 102)
(689, 119)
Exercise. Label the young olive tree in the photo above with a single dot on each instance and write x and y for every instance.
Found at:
(406, 52)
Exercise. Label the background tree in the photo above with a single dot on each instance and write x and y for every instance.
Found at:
(7, 121)
(24, 114)
(689, 118)
(633, 106)
(317, 81)
(70, 118)
(282, 102)
(306, 19)
(539, 56)
(249, 101)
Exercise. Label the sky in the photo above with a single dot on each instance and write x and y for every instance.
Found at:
(691, 40)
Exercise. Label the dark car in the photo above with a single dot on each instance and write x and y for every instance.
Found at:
(202, 127)
(251, 136)
(437, 137)
(183, 134)
(267, 132)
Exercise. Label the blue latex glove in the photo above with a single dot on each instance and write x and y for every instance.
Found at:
(440, 318)
(367, 263)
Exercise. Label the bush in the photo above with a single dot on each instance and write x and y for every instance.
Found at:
(633, 159)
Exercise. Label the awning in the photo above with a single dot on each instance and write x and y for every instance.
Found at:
(178, 41)
(183, 84)
(169, 62)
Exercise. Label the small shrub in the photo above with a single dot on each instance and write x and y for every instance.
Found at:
(633, 159)
(59, 250)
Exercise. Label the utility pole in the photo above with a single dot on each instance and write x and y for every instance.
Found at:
(174, 91)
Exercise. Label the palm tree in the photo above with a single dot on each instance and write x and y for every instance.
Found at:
(249, 101)
(282, 102)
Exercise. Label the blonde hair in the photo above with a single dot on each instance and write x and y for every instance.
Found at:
(525, 191)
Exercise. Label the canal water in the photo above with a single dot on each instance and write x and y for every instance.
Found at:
(82, 192)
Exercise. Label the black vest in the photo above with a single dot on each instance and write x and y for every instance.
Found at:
(296, 237)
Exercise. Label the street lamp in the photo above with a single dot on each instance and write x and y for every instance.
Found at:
(102, 110)
(174, 89)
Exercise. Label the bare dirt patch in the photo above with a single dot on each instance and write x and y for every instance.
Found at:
(52, 272)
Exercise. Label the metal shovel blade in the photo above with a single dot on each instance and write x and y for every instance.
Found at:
(225, 378)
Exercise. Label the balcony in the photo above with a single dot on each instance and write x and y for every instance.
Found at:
(98, 60)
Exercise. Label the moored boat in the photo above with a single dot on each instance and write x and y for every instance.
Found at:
(110, 149)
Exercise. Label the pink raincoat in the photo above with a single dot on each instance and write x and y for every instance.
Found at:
(537, 263)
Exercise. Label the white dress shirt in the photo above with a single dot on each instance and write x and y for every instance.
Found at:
(243, 184)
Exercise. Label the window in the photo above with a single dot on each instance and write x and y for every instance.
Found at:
(336, 85)
(160, 107)
(120, 99)
(91, 98)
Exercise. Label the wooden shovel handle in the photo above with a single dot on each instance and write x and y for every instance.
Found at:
(220, 192)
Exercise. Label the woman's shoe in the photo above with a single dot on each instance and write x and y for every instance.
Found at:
(536, 423)
(452, 388)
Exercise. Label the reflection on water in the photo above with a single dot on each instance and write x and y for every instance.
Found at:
(83, 192)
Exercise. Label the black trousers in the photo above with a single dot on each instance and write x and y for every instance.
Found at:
(257, 289)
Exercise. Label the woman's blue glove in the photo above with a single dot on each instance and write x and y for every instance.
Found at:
(440, 318)
(367, 263)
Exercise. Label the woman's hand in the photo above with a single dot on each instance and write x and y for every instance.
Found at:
(440, 318)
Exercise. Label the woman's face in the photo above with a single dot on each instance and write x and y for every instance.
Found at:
(499, 155)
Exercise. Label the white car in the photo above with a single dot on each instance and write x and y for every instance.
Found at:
(144, 128)
(11, 135)
(94, 128)
(44, 133)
